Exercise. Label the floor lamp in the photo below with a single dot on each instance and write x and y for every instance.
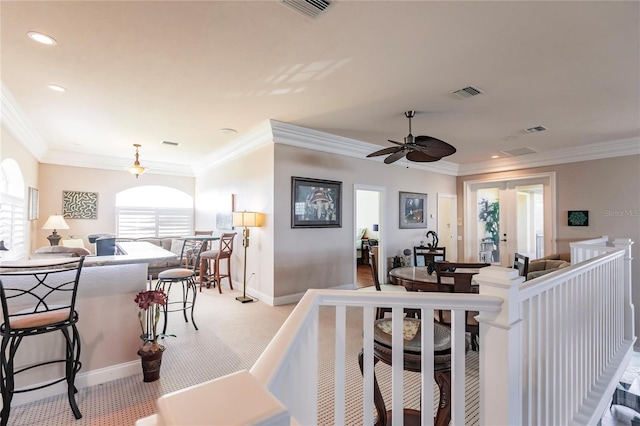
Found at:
(246, 219)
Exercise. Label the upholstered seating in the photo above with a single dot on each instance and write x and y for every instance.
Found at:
(540, 267)
(186, 277)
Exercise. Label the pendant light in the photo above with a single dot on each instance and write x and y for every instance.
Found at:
(137, 169)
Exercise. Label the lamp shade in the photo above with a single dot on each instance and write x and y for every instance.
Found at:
(248, 219)
(55, 221)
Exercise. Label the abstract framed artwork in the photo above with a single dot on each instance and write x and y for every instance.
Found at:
(316, 203)
(413, 210)
(34, 204)
(79, 205)
(578, 217)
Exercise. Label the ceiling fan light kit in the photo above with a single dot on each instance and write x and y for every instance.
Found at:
(420, 149)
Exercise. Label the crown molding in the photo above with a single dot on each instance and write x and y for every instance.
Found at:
(256, 138)
(272, 131)
(302, 137)
(17, 123)
(598, 151)
(106, 162)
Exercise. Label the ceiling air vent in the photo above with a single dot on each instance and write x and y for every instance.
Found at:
(170, 143)
(310, 8)
(535, 129)
(468, 92)
(518, 151)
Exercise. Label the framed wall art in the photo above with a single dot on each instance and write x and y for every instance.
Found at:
(224, 213)
(413, 210)
(79, 205)
(578, 217)
(315, 203)
(34, 204)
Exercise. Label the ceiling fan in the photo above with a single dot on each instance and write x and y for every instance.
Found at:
(422, 149)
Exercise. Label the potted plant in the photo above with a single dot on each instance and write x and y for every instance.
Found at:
(150, 303)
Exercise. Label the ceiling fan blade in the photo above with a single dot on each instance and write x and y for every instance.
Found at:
(434, 147)
(395, 157)
(385, 151)
(397, 143)
(420, 157)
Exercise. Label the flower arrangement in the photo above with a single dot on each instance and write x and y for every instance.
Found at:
(150, 303)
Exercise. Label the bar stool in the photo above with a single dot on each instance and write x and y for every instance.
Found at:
(50, 292)
(186, 276)
(215, 256)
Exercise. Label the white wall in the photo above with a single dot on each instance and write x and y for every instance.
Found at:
(367, 211)
(250, 178)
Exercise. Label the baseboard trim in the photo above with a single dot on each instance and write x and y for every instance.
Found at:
(83, 380)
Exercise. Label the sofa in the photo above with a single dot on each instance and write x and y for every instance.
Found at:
(547, 264)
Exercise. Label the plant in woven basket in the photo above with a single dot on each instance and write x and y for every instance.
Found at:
(150, 303)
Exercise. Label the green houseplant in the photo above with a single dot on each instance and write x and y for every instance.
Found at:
(489, 213)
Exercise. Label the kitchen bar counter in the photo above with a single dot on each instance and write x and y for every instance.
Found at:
(108, 324)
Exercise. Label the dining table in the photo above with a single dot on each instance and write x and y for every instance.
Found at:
(418, 278)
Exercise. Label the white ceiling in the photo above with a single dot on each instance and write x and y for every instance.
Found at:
(151, 71)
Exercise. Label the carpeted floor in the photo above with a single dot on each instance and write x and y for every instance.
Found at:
(231, 337)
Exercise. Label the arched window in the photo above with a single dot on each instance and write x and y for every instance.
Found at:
(12, 210)
(153, 211)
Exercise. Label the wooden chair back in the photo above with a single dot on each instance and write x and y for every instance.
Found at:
(226, 245)
(521, 263)
(423, 256)
(461, 272)
(373, 262)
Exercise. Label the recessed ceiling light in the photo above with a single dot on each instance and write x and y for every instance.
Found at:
(228, 131)
(41, 38)
(56, 88)
(495, 156)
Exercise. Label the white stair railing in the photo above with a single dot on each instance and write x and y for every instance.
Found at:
(561, 341)
(552, 349)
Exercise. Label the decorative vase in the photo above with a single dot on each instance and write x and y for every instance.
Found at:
(151, 362)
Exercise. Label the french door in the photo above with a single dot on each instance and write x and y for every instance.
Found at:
(504, 217)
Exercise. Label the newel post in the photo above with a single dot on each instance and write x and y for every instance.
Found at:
(629, 321)
(501, 349)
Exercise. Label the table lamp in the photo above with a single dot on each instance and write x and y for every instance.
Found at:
(247, 220)
(55, 222)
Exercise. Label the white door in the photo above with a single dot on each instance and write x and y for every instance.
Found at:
(509, 216)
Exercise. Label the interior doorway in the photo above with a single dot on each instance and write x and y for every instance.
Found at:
(508, 216)
(447, 225)
(369, 229)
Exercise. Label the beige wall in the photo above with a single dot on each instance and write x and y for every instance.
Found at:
(250, 179)
(325, 257)
(54, 179)
(608, 188)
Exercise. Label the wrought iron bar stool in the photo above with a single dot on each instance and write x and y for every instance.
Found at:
(186, 276)
(37, 300)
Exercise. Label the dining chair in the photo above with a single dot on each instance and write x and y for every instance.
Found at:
(38, 300)
(211, 260)
(462, 274)
(380, 311)
(521, 263)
